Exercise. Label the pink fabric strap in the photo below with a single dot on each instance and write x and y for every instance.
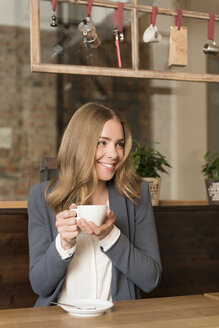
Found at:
(89, 7)
(211, 26)
(153, 15)
(115, 18)
(178, 19)
(53, 3)
(118, 17)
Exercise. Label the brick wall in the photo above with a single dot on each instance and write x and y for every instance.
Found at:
(35, 107)
(27, 115)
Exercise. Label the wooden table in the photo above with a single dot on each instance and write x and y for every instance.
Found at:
(195, 311)
(213, 295)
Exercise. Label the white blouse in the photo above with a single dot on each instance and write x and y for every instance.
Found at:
(89, 274)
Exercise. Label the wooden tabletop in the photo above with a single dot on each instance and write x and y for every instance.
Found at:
(213, 295)
(196, 311)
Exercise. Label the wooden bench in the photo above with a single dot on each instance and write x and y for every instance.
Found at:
(15, 289)
(189, 247)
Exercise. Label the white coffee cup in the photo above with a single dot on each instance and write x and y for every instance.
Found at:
(94, 213)
(151, 34)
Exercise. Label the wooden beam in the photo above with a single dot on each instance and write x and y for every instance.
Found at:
(142, 8)
(35, 32)
(135, 38)
(124, 72)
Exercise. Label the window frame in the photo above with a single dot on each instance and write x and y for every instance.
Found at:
(134, 72)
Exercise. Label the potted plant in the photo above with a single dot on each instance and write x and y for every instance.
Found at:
(211, 170)
(148, 163)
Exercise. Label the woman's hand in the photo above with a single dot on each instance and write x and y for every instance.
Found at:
(66, 224)
(102, 231)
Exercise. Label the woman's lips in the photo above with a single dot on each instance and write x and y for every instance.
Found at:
(107, 165)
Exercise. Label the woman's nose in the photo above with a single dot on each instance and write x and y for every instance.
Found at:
(111, 152)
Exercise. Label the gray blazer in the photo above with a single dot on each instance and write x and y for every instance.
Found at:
(135, 256)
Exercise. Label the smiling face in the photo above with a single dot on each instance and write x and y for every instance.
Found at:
(110, 150)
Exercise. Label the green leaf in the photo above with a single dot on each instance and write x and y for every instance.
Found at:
(211, 168)
(148, 162)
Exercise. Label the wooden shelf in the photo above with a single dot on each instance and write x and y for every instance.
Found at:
(182, 202)
(13, 204)
(134, 72)
(23, 204)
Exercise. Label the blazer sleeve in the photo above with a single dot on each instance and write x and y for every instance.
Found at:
(47, 268)
(139, 259)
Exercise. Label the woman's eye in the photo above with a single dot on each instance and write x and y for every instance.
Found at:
(121, 145)
(101, 143)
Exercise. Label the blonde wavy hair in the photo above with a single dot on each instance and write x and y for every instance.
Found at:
(77, 178)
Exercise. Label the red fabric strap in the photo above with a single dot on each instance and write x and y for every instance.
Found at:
(89, 7)
(115, 18)
(153, 15)
(211, 27)
(53, 3)
(118, 16)
(178, 19)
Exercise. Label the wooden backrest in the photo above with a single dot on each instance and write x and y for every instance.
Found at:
(48, 168)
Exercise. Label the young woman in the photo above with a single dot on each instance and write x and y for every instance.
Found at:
(72, 258)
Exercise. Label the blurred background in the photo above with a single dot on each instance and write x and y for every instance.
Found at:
(180, 119)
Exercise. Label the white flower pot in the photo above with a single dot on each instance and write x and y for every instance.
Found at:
(154, 187)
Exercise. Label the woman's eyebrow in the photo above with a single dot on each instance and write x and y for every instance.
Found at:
(106, 138)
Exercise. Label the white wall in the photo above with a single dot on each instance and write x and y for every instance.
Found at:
(179, 119)
(14, 12)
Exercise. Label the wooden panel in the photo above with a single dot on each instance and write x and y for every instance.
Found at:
(15, 289)
(189, 247)
(17, 297)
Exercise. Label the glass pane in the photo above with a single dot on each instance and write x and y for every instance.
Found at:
(64, 44)
(155, 56)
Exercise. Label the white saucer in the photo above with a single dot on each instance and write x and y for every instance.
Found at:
(100, 306)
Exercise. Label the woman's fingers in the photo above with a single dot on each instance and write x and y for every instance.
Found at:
(66, 218)
(71, 227)
(91, 228)
(66, 224)
(66, 214)
(85, 227)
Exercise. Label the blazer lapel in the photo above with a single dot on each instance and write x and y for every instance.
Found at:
(118, 205)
